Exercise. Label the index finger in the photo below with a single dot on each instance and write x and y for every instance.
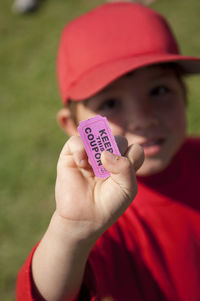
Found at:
(74, 147)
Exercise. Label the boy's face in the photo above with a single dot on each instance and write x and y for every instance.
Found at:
(148, 108)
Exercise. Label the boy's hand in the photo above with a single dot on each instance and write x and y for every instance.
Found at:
(88, 204)
(86, 207)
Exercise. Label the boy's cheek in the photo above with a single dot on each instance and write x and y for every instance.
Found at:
(176, 111)
(82, 112)
(117, 130)
(178, 123)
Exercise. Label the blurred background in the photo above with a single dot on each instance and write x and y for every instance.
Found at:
(30, 139)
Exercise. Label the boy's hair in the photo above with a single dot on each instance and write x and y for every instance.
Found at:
(110, 41)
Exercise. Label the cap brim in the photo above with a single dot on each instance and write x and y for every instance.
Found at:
(96, 79)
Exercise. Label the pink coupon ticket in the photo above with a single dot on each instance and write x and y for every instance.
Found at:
(97, 137)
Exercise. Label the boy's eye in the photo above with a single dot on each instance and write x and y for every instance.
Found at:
(159, 91)
(109, 104)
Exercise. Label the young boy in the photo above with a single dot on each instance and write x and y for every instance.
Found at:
(121, 61)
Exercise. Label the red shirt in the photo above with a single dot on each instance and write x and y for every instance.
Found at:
(153, 251)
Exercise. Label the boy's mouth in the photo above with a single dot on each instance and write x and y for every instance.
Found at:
(152, 146)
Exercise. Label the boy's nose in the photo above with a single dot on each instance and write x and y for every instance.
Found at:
(141, 117)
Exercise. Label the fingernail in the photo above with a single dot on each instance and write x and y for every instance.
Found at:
(110, 156)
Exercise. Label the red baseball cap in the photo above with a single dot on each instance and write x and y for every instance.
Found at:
(111, 40)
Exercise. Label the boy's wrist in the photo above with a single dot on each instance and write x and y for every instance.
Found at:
(71, 232)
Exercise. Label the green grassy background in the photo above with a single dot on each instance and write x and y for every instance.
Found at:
(30, 139)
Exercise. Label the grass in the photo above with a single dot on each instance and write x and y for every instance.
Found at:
(30, 138)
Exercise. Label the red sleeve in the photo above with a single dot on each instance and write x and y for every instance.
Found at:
(25, 288)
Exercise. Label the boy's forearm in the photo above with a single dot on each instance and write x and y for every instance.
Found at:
(59, 262)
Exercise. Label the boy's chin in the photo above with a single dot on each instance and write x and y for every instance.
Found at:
(151, 167)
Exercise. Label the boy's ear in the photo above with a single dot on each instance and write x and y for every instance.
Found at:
(66, 122)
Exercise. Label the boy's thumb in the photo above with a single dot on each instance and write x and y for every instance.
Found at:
(122, 173)
(122, 181)
(115, 164)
